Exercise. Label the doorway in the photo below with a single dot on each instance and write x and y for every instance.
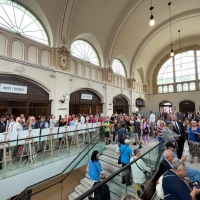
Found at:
(120, 105)
(165, 107)
(186, 106)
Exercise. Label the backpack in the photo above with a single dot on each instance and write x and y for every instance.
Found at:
(159, 188)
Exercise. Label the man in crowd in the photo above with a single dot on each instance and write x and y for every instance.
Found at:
(106, 128)
(122, 134)
(126, 154)
(82, 119)
(192, 173)
(18, 125)
(43, 123)
(179, 130)
(152, 121)
(35, 124)
(137, 133)
(169, 135)
(138, 169)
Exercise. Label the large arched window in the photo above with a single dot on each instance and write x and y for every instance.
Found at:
(20, 20)
(83, 50)
(118, 67)
(179, 72)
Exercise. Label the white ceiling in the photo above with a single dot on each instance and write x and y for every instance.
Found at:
(121, 27)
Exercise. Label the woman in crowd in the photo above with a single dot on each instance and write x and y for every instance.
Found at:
(95, 167)
(159, 134)
(194, 147)
(186, 126)
(13, 121)
(174, 186)
(146, 131)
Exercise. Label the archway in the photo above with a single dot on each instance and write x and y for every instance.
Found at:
(21, 96)
(186, 106)
(120, 104)
(165, 107)
(84, 101)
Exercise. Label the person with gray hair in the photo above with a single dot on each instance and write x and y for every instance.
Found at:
(127, 197)
(169, 135)
(138, 171)
(174, 177)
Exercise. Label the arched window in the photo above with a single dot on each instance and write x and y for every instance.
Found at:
(160, 89)
(83, 50)
(185, 87)
(171, 88)
(118, 67)
(165, 89)
(20, 20)
(192, 86)
(179, 88)
(198, 63)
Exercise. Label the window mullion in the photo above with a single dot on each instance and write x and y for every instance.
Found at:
(174, 74)
(196, 70)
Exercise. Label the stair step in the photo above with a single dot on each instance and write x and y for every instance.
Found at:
(110, 160)
(109, 167)
(73, 196)
(111, 154)
(80, 189)
(87, 182)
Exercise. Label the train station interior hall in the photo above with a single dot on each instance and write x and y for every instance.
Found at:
(65, 57)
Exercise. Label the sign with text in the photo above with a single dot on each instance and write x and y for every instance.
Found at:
(13, 88)
(86, 96)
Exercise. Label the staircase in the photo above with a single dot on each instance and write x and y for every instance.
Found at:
(109, 163)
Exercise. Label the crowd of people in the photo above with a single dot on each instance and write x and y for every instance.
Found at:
(123, 129)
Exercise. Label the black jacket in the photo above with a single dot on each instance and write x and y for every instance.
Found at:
(2, 127)
(163, 167)
(102, 193)
(182, 131)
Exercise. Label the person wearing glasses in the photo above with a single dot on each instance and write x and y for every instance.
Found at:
(174, 185)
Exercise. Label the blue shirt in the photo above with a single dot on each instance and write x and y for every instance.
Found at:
(192, 134)
(126, 156)
(120, 132)
(95, 170)
(72, 123)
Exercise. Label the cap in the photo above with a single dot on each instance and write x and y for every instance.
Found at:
(170, 144)
(127, 141)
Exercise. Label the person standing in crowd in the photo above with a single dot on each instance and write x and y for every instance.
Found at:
(169, 135)
(82, 119)
(174, 177)
(106, 128)
(137, 133)
(127, 197)
(152, 121)
(159, 134)
(43, 123)
(95, 167)
(122, 135)
(73, 122)
(35, 124)
(2, 130)
(102, 192)
(179, 130)
(126, 153)
(138, 169)
(194, 146)
(18, 125)
(146, 131)
(62, 122)
(186, 126)
(115, 130)
(10, 127)
(53, 122)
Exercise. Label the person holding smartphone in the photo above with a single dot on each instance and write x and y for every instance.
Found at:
(194, 147)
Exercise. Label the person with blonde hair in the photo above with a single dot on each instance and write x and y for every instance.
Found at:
(127, 197)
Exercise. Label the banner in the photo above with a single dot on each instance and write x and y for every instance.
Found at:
(13, 88)
(86, 96)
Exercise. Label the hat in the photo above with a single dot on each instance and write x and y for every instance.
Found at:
(170, 144)
(127, 141)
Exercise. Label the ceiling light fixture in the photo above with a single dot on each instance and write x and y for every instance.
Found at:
(180, 46)
(170, 25)
(152, 21)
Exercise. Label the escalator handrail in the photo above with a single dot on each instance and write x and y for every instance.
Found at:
(90, 191)
(59, 174)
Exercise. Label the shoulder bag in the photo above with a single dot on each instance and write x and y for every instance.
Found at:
(119, 159)
(146, 173)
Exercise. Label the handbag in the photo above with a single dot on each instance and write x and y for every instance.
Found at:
(146, 173)
(119, 159)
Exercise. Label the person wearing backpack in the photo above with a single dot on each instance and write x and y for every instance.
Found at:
(122, 134)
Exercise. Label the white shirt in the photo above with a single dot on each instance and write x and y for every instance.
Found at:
(138, 175)
(11, 125)
(152, 118)
(53, 123)
(17, 127)
(82, 120)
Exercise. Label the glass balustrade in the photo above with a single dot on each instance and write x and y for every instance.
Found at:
(30, 149)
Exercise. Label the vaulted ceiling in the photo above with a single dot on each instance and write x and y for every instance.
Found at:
(121, 27)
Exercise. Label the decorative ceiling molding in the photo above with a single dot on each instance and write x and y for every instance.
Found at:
(181, 16)
(132, 8)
